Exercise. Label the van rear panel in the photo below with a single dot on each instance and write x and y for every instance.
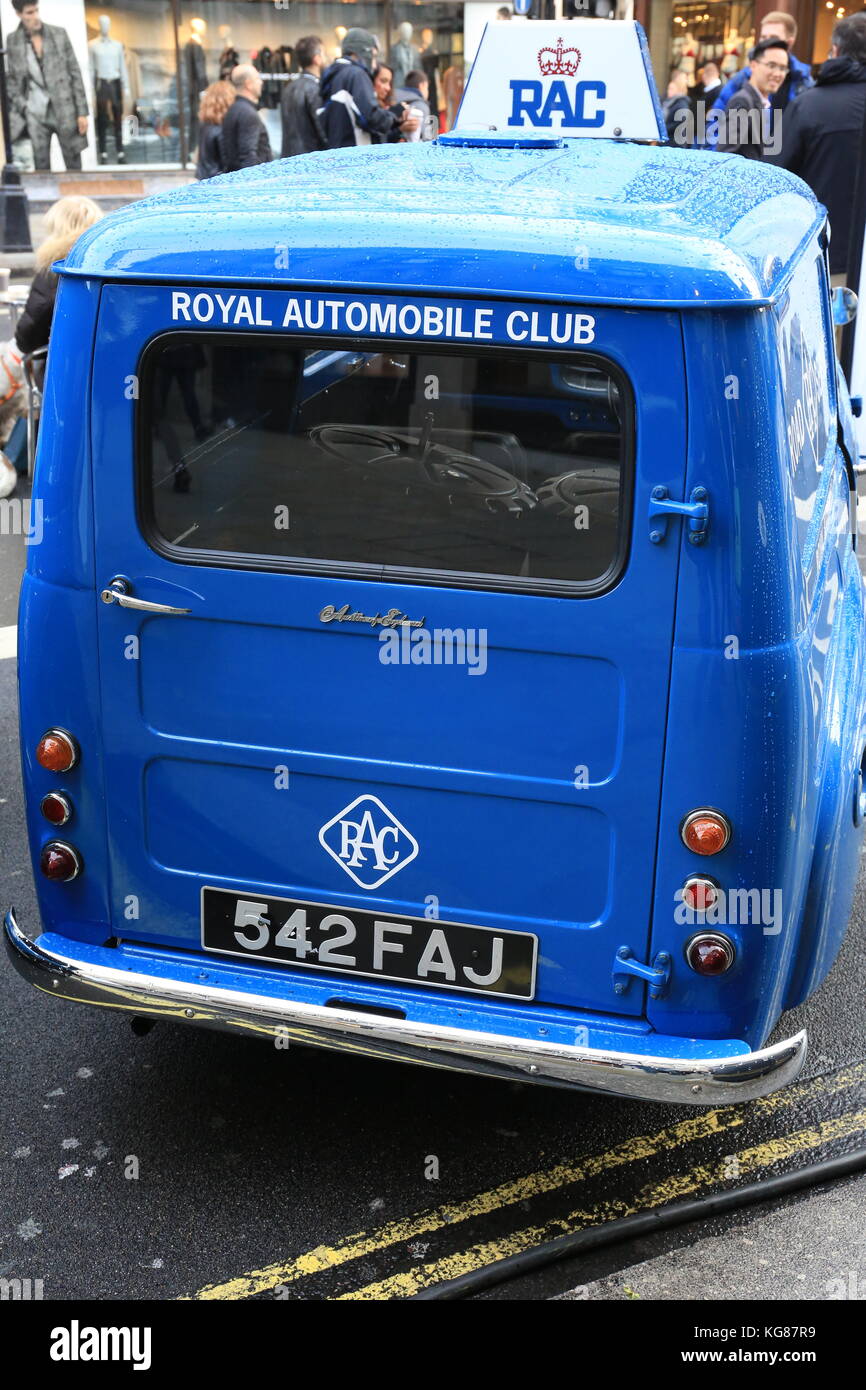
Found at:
(417, 703)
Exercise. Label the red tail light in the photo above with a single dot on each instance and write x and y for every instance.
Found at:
(59, 861)
(705, 831)
(710, 953)
(57, 751)
(700, 893)
(56, 808)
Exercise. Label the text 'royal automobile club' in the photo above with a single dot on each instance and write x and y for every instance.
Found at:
(386, 318)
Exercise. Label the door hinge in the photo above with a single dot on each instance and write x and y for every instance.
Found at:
(627, 968)
(697, 510)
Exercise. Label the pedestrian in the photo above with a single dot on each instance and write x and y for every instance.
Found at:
(745, 127)
(383, 85)
(710, 85)
(677, 100)
(302, 129)
(64, 223)
(415, 94)
(702, 96)
(215, 102)
(776, 25)
(352, 114)
(45, 88)
(823, 135)
(243, 139)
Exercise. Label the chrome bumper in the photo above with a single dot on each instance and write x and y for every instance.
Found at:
(688, 1081)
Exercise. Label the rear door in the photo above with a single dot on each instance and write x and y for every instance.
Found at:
(422, 681)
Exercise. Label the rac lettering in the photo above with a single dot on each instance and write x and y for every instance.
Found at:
(579, 108)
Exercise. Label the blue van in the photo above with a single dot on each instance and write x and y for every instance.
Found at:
(447, 640)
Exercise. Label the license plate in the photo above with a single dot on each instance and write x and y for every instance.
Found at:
(411, 950)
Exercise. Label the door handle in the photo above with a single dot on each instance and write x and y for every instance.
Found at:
(118, 592)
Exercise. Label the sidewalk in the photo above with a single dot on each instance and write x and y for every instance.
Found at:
(110, 188)
(812, 1248)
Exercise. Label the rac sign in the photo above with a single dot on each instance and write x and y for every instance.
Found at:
(563, 77)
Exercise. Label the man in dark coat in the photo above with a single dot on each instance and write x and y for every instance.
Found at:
(243, 137)
(823, 135)
(45, 87)
(351, 112)
(302, 129)
(744, 128)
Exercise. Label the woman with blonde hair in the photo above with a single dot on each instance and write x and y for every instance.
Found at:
(215, 102)
(64, 223)
(65, 220)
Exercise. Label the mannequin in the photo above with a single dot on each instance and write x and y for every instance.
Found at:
(195, 68)
(404, 56)
(110, 85)
(229, 57)
(452, 90)
(733, 53)
(430, 64)
(689, 57)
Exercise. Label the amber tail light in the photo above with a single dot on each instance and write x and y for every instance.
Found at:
(57, 751)
(705, 831)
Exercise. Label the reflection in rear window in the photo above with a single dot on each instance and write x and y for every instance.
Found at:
(493, 470)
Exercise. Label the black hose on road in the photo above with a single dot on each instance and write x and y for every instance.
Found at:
(643, 1223)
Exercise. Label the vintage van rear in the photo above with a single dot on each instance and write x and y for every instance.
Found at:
(429, 533)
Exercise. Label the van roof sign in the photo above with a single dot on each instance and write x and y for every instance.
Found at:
(580, 77)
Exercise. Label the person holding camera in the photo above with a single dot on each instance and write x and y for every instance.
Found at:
(351, 113)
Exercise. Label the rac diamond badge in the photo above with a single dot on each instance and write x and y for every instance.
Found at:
(368, 841)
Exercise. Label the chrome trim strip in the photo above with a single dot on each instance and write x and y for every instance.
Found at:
(690, 1082)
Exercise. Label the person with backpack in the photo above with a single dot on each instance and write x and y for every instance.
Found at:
(350, 113)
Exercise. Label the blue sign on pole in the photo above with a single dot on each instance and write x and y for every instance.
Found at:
(522, 6)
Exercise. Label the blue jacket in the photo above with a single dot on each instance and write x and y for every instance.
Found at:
(799, 78)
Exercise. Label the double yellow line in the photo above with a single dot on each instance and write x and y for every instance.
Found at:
(700, 1178)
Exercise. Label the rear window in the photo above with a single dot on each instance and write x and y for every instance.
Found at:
(494, 469)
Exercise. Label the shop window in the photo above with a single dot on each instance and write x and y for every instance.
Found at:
(132, 82)
(720, 33)
(428, 38)
(216, 35)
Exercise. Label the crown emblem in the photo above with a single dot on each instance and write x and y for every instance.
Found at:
(559, 61)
